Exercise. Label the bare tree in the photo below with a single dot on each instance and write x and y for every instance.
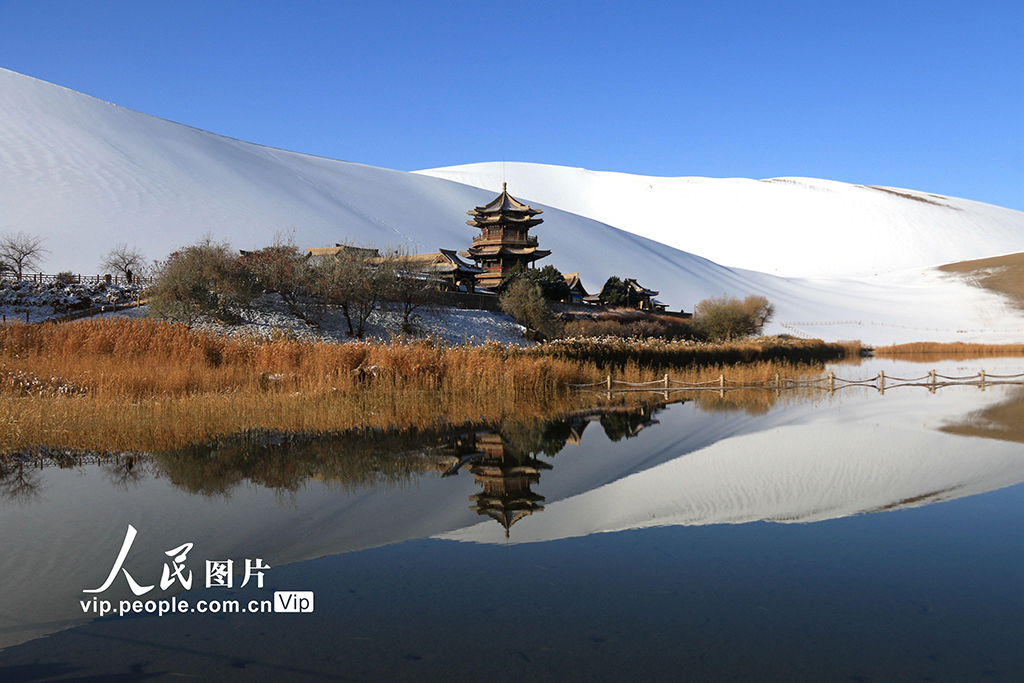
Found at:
(407, 287)
(353, 281)
(127, 261)
(726, 318)
(21, 251)
(19, 483)
(283, 269)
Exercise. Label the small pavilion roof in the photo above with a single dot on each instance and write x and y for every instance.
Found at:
(640, 289)
(574, 283)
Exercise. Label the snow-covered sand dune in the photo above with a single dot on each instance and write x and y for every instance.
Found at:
(87, 175)
(793, 227)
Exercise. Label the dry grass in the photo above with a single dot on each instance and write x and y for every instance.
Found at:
(625, 323)
(1001, 274)
(907, 195)
(932, 351)
(120, 384)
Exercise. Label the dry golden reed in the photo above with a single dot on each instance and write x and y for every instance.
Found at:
(953, 351)
(121, 384)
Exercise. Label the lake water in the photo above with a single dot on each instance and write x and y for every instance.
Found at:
(853, 537)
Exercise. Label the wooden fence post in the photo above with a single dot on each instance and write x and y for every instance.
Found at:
(666, 380)
(881, 382)
(932, 373)
(983, 380)
(831, 383)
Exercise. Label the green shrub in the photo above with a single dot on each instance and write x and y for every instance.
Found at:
(204, 280)
(524, 300)
(550, 280)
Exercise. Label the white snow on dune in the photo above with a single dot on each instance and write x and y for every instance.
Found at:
(794, 227)
(87, 175)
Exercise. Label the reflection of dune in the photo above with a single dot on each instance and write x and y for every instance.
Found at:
(1004, 421)
(792, 473)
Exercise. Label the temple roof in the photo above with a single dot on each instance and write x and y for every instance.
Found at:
(574, 283)
(640, 289)
(505, 203)
(440, 261)
(337, 249)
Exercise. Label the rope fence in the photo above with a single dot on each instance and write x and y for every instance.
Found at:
(80, 279)
(932, 381)
(794, 327)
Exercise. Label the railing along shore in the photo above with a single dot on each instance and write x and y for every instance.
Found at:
(932, 381)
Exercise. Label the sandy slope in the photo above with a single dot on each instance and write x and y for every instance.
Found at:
(799, 227)
(87, 175)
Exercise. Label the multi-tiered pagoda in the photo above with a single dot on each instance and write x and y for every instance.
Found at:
(504, 240)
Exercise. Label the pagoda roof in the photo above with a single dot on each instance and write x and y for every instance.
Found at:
(504, 203)
(505, 250)
(498, 219)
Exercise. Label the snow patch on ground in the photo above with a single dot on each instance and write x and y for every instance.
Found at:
(34, 302)
(453, 326)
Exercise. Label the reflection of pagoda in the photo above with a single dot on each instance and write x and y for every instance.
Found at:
(506, 481)
(504, 240)
(505, 478)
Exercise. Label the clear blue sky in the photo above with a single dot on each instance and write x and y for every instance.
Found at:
(923, 95)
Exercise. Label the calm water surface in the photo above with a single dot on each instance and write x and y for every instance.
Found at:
(855, 537)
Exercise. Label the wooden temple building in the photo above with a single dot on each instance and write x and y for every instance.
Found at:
(503, 244)
(504, 240)
(577, 293)
(444, 267)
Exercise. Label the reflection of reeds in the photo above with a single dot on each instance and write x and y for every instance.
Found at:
(121, 384)
(931, 351)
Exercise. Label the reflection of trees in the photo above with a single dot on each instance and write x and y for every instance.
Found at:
(285, 461)
(505, 460)
(624, 424)
(19, 480)
(124, 471)
(545, 437)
